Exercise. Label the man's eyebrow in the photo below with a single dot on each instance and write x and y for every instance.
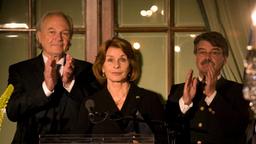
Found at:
(65, 30)
(200, 48)
(50, 28)
(217, 48)
(214, 48)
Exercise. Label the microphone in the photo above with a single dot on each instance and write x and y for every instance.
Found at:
(89, 105)
(95, 117)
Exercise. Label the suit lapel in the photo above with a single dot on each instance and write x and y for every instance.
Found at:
(39, 68)
(77, 69)
(220, 83)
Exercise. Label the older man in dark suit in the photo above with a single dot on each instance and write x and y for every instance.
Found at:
(208, 109)
(49, 88)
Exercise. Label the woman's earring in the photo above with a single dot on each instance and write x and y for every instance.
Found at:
(129, 76)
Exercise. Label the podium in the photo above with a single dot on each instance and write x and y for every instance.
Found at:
(96, 139)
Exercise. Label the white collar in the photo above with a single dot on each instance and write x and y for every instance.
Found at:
(61, 61)
(201, 79)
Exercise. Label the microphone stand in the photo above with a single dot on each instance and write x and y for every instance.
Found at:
(97, 118)
(171, 135)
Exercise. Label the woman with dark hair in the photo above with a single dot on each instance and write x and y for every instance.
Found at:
(121, 107)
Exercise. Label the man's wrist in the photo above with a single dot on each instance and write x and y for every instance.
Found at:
(69, 86)
(47, 92)
(183, 107)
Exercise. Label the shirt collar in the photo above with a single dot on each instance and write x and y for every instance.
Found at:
(201, 79)
(61, 61)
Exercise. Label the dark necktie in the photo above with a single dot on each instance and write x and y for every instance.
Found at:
(201, 86)
(200, 96)
(58, 67)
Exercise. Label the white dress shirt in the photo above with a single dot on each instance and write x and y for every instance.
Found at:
(69, 88)
(184, 108)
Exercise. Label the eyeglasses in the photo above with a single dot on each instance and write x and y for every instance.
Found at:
(213, 53)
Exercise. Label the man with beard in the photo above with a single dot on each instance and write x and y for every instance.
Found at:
(208, 108)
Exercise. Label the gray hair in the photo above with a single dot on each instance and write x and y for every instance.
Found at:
(56, 13)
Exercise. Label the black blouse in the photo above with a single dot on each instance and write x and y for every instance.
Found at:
(142, 113)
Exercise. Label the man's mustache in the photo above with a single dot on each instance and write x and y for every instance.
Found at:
(207, 61)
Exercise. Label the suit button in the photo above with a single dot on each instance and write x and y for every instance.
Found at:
(211, 111)
(201, 108)
(200, 124)
(199, 142)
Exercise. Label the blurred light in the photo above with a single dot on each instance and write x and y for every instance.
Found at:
(162, 12)
(154, 8)
(149, 13)
(249, 47)
(11, 36)
(14, 25)
(143, 13)
(177, 49)
(193, 35)
(253, 16)
(136, 45)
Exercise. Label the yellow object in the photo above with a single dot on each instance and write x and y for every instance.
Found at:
(4, 100)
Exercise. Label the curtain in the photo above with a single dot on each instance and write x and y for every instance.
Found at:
(232, 18)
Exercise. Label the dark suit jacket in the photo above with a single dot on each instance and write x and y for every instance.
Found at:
(142, 112)
(222, 122)
(37, 114)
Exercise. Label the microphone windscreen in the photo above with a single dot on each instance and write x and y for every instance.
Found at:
(6, 95)
(89, 105)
